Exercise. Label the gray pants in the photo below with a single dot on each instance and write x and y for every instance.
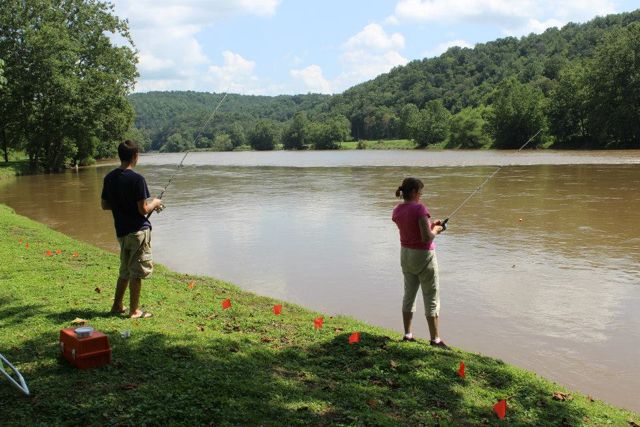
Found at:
(420, 267)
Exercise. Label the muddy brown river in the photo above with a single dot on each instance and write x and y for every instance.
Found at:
(541, 268)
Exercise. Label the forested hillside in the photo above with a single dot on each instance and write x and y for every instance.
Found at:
(161, 115)
(579, 84)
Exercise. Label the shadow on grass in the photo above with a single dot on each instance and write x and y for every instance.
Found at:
(14, 315)
(69, 315)
(157, 379)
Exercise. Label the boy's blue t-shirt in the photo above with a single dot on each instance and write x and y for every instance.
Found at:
(122, 189)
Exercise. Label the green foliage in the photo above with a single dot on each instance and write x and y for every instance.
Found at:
(517, 114)
(222, 142)
(327, 135)
(614, 89)
(430, 125)
(165, 113)
(3, 80)
(468, 129)
(140, 136)
(568, 107)
(176, 143)
(408, 114)
(67, 83)
(237, 135)
(263, 136)
(296, 136)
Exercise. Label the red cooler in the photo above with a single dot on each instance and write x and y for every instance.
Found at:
(91, 351)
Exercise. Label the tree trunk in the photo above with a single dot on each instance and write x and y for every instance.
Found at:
(5, 146)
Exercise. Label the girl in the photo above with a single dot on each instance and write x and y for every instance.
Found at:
(418, 258)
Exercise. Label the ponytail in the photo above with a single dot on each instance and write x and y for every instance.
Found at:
(409, 185)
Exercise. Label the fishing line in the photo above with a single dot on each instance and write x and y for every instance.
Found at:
(444, 223)
(193, 143)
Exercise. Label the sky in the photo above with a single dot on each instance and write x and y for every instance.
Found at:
(274, 47)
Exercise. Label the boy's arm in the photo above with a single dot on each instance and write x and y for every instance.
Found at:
(145, 207)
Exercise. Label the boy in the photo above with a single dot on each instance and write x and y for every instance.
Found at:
(125, 194)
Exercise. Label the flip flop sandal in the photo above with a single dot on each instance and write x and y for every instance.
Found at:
(143, 315)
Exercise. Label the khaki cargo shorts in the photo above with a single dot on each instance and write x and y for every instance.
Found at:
(136, 261)
(420, 270)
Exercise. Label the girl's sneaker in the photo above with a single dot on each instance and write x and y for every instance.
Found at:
(440, 344)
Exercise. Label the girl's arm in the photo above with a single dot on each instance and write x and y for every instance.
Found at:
(426, 231)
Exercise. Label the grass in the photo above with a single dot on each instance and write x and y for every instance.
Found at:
(13, 168)
(194, 363)
(391, 144)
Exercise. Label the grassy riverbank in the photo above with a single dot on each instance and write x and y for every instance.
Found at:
(195, 363)
(391, 144)
(13, 168)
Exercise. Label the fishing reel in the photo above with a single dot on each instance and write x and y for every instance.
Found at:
(443, 224)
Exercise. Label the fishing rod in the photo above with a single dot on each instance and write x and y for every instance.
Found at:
(193, 143)
(446, 220)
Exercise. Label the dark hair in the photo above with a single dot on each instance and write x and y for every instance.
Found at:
(409, 185)
(127, 150)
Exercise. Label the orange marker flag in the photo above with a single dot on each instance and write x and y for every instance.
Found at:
(76, 254)
(500, 409)
(27, 245)
(317, 323)
(354, 338)
(461, 370)
(58, 251)
(277, 309)
(226, 304)
(192, 284)
(48, 253)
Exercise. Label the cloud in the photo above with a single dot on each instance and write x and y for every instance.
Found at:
(235, 75)
(534, 26)
(164, 32)
(369, 53)
(373, 36)
(361, 65)
(461, 10)
(313, 79)
(443, 47)
(365, 55)
(515, 18)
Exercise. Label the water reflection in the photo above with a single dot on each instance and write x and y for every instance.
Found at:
(541, 268)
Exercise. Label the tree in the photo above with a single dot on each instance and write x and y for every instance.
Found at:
(430, 125)
(517, 114)
(468, 129)
(237, 135)
(327, 135)
(67, 81)
(177, 143)
(263, 136)
(408, 114)
(3, 80)
(222, 142)
(296, 136)
(568, 109)
(614, 89)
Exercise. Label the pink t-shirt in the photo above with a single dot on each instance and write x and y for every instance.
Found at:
(406, 216)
